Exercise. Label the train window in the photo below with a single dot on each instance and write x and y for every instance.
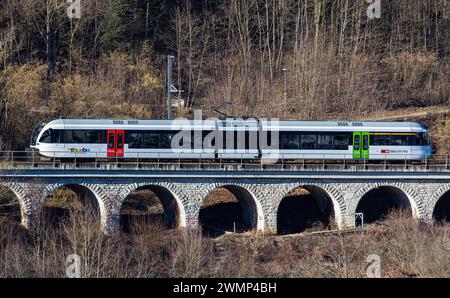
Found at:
(46, 137)
(82, 136)
(290, 141)
(399, 141)
(380, 140)
(325, 142)
(357, 142)
(166, 140)
(111, 140)
(120, 140)
(341, 142)
(66, 135)
(36, 132)
(365, 142)
(94, 137)
(391, 140)
(415, 140)
(56, 136)
(78, 136)
(134, 140)
(308, 141)
(151, 140)
(426, 139)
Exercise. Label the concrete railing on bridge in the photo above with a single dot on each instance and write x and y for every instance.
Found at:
(31, 160)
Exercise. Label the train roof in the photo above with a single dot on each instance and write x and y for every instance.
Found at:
(282, 125)
(130, 124)
(345, 126)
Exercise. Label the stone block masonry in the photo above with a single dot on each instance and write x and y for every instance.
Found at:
(259, 193)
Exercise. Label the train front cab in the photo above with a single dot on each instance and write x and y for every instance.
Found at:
(45, 139)
(415, 146)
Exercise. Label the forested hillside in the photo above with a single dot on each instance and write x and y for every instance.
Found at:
(111, 61)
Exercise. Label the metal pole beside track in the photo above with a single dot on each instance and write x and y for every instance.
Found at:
(169, 85)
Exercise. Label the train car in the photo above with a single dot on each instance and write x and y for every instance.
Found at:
(348, 140)
(231, 139)
(146, 139)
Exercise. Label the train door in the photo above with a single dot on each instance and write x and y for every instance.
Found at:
(115, 143)
(361, 145)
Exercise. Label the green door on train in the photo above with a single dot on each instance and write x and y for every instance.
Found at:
(361, 145)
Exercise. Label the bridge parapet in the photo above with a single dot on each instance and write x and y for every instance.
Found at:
(30, 160)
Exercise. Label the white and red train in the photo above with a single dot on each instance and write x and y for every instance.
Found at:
(231, 139)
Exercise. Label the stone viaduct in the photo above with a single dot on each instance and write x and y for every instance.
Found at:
(260, 192)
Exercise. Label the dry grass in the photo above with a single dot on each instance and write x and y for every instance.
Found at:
(407, 248)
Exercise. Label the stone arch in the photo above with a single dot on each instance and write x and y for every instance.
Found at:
(253, 212)
(95, 190)
(165, 189)
(336, 197)
(414, 199)
(435, 199)
(25, 202)
(337, 200)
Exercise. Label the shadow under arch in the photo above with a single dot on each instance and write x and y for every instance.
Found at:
(11, 208)
(151, 204)
(230, 208)
(64, 200)
(378, 202)
(441, 211)
(305, 207)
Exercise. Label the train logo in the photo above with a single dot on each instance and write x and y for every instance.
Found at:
(77, 150)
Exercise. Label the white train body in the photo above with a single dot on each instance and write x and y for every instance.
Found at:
(231, 139)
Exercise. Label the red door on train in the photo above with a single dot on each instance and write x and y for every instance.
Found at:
(116, 143)
(120, 137)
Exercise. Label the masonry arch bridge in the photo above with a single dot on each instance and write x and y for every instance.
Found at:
(259, 196)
